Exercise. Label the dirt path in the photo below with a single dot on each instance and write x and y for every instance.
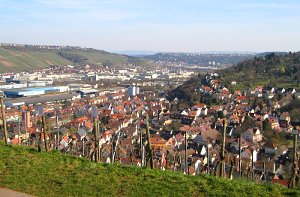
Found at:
(10, 193)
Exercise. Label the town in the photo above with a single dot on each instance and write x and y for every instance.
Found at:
(117, 115)
(149, 98)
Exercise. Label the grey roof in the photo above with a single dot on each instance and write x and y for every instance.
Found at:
(81, 132)
(199, 140)
(63, 130)
(42, 99)
(88, 91)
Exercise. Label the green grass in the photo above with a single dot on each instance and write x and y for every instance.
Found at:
(99, 57)
(54, 174)
(16, 60)
(275, 71)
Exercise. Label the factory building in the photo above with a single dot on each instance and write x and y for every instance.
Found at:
(59, 97)
(33, 91)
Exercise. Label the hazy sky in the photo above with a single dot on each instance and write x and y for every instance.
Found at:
(156, 25)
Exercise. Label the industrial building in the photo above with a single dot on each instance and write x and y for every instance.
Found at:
(8, 102)
(88, 93)
(33, 91)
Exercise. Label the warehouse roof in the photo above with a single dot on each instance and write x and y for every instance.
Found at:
(39, 99)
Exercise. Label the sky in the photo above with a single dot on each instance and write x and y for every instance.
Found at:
(154, 25)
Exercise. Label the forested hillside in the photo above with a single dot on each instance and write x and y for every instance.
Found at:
(271, 70)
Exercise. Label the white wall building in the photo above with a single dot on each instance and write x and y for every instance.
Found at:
(133, 91)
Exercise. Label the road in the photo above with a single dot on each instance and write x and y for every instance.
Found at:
(10, 193)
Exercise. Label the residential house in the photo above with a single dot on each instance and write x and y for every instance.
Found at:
(187, 120)
(269, 90)
(285, 116)
(211, 135)
(194, 113)
(107, 135)
(252, 135)
(158, 143)
(199, 106)
(259, 91)
(102, 99)
(200, 145)
(274, 122)
(280, 90)
(291, 90)
(246, 154)
(281, 150)
(269, 148)
(270, 166)
(268, 95)
(116, 96)
(81, 134)
(241, 99)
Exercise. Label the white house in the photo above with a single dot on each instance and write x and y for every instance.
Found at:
(233, 82)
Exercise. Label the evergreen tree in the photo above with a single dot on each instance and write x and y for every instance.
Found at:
(267, 125)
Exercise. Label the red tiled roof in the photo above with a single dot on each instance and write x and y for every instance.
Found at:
(157, 141)
(207, 88)
(107, 133)
(117, 116)
(15, 141)
(241, 98)
(200, 105)
(192, 113)
(103, 97)
(185, 128)
(119, 108)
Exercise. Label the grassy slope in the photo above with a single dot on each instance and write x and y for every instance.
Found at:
(14, 60)
(29, 59)
(98, 57)
(54, 174)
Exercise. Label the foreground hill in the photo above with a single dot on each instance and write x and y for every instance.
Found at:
(270, 70)
(54, 174)
(29, 57)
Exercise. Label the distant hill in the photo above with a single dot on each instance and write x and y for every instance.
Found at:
(204, 59)
(268, 53)
(30, 57)
(136, 53)
(55, 174)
